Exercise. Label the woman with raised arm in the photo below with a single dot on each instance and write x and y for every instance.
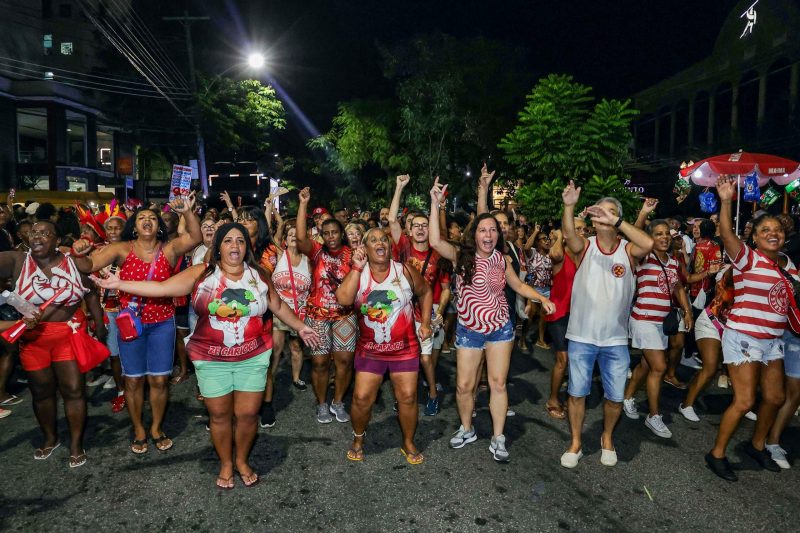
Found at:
(144, 253)
(45, 351)
(229, 347)
(335, 323)
(383, 293)
(752, 347)
(484, 321)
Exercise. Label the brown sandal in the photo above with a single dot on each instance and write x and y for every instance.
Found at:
(556, 412)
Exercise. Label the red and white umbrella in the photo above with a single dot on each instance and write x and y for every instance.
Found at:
(767, 167)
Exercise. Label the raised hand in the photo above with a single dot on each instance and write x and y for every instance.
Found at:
(225, 197)
(81, 247)
(359, 259)
(305, 195)
(726, 188)
(438, 191)
(649, 205)
(486, 176)
(402, 180)
(181, 204)
(571, 194)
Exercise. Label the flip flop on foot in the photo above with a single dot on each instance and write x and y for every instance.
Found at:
(77, 460)
(675, 382)
(11, 400)
(543, 345)
(139, 446)
(355, 454)
(163, 443)
(412, 458)
(556, 412)
(225, 483)
(43, 453)
(250, 479)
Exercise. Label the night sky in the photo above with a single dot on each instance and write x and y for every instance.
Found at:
(324, 51)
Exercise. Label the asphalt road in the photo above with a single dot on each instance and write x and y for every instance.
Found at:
(308, 484)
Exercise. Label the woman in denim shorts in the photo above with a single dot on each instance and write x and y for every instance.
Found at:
(148, 357)
(751, 342)
(484, 322)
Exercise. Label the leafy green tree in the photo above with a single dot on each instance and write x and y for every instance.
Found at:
(238, 117)
(563, 133)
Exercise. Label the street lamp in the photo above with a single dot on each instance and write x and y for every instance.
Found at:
(255, 61)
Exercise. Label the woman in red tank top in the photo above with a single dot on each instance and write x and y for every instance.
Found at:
(150, 356)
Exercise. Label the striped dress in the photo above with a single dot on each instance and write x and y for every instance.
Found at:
(654, 290)
(482, 305)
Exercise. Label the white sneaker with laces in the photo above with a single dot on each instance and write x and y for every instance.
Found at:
(778, 455)
(629, 406)
(497, 447)
(691, 362)
(688, 413)
(657, 426)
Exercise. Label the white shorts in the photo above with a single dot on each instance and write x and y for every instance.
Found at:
(647, 335)
(738, 348)
(434, 341)
(704, 328)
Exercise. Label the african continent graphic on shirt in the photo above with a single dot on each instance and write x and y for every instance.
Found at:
(230, 314)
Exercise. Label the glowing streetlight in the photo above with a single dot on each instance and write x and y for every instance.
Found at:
(256, 60)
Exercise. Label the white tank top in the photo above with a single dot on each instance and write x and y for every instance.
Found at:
(602, 295)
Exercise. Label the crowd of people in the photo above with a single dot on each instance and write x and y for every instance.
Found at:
(223, 293)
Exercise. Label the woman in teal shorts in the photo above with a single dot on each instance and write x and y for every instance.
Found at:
(229, 347)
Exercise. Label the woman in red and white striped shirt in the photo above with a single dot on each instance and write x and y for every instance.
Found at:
(751, 343)
(657, 281)
(482, 272)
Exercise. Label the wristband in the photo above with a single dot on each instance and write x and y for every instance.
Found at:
(619, 222)
(357, 269)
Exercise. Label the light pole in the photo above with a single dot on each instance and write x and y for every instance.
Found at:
(255, 61)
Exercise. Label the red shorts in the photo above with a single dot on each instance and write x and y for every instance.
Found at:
(48, 343)
(378, 366)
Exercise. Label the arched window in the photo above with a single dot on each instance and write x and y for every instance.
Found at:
(747, 110)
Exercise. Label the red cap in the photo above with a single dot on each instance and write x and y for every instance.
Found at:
(318, 211)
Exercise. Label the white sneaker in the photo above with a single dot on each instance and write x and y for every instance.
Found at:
(462, 437)
(98, 380)
(657, 426)
(629, 406)
(778, 455)
(723, 382)
(630, 373)
(750, 415)
(607, 457)
(570, 460)
(688, 413)
(511, 412)
(497, 447)
(110, 384)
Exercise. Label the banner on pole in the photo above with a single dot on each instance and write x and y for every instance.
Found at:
(181, 182)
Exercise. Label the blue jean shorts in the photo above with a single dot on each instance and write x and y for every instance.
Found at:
(468, 338)
(112, 340)
(614, 362)
(150, 354)
(738, 348)
(791, 354)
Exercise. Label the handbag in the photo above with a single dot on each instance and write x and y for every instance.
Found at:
(672, 321)
(89, 352)
(129, 323)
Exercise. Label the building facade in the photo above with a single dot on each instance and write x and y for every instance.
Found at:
(54, 133)
(744, 96)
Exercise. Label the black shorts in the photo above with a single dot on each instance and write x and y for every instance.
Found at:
(182, 317)
(558, 333)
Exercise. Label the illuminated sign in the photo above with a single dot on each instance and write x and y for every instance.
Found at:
(751, 16)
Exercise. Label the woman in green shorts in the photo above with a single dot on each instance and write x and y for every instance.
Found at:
(229, 347)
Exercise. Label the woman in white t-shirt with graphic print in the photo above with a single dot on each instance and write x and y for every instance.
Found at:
(751, 342)
(292, 282)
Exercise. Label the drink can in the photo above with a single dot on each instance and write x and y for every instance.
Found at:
(793, 189)
(769, 197)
